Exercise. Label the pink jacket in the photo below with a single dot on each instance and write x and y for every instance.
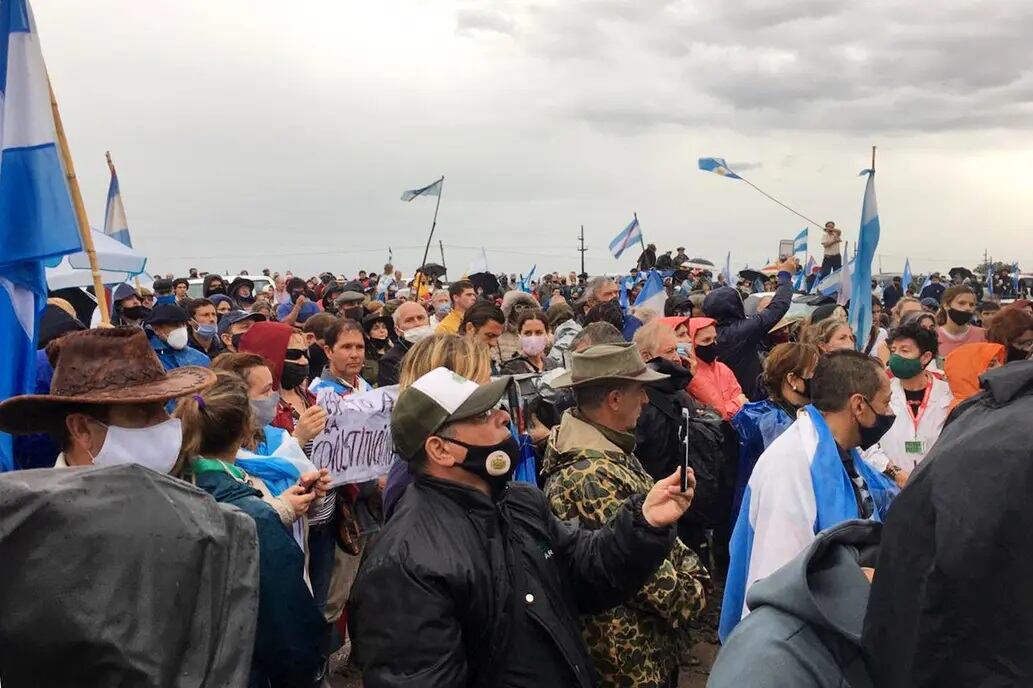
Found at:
(714, 384)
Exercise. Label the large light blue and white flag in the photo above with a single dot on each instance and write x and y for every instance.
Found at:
(800, 242)
(37, 221)
(115, 223)
(832, 283)
(429, 190)
(717, 166)
(907, 279)
(860, 315)
(653, 295)
(525, 281)
(627, 237)
(797, 489)
(847, 281)
(1015, 277)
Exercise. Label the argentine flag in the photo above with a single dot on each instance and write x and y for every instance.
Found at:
(860, 315)
(525, 282)
(115, 224)
(429, 190)
(653, 294)
(627, 237)
(798, 488)
(907, 278)
(717, 166)
(800, 242)
(37, 222)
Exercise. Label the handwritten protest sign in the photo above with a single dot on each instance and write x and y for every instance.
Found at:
(356, 444)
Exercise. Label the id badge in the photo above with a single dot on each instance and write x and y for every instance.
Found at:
(914, 446)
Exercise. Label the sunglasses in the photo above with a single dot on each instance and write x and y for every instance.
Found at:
(295, 354)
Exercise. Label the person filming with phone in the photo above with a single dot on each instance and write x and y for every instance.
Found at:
(590, 471)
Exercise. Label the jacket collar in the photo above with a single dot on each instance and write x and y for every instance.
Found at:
(576, 433)
(466, 497)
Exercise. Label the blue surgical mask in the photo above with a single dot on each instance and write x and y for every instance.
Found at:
(207, 331)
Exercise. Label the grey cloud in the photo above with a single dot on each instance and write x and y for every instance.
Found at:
(479, 19)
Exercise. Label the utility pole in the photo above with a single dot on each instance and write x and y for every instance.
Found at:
(582, 249)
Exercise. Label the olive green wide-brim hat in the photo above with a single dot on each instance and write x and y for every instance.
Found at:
(607, 362)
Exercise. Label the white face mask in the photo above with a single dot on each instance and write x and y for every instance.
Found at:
(177, 339)
(418, 334)
(155, 447)
(533, 344)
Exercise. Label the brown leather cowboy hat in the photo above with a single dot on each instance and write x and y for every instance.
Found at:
(101, 366)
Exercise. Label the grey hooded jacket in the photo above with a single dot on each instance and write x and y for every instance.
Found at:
(805, 620)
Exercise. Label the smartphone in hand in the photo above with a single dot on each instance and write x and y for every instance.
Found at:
(685, 457)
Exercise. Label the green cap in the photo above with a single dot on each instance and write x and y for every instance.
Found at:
(607, 362)
(438, 398)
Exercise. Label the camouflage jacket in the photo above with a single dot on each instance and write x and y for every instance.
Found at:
(588, 477)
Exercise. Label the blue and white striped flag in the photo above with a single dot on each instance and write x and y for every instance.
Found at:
(727, 272)
(717, 166)
(627, 237)
(1015, 277)
(115, 224)
(37, 221)
(907, 279)
(653, 294)
(860, 316)
(800, 242)
(525, 281)
(429, 190)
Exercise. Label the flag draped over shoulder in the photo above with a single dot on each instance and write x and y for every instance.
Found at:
(798, 488)
(429, 190)
(115, 223)
(860, 314)
(625, 238)
(717, 166)
(37, 220)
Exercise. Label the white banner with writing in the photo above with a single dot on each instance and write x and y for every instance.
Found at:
(356, 444)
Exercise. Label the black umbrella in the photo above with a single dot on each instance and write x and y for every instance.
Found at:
(699, 264)
(964, 272)
(433, 270)
(752, 275)
(488, 283)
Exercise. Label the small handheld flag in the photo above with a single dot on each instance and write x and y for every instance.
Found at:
(907, 279)
(653, 294)
(429, 190)
(627, 236)
(717, 166)
(115, 224)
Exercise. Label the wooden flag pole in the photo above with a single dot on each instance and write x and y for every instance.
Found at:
(80, 212)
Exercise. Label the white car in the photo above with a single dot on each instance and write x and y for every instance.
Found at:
(194, 291)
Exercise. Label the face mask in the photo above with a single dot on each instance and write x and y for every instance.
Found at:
(707, 354)
(207, 331)
(533, 345)
(235, 340)
(1017, 354)
(493, 463)
(178, 339)
(353, 313)
(683, 349)
(216, 290)
(156, 447)
(443, 310)
(959, 317)
(136, 312)
(265, 409)
(293, 375)
(806, 391)
(316, 360)
(418, 334)
(905, 368)
(870, 436)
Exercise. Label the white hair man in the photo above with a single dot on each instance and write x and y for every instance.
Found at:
(412, 325)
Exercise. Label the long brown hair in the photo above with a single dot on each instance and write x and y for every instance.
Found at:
(792, 357)
(214, 420)
(949, 295)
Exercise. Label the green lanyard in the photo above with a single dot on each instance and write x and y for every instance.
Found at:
(200, 465)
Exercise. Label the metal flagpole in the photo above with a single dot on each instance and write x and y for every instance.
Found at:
(80, 211)
(433, 224)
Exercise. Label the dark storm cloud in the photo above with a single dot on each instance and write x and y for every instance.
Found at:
(878, 67)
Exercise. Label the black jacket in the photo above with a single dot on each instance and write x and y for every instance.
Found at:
(664, 262)
(452, 574)
(891, 295)
(647, 259)
(740, 339)
(952, 603)
(391, 363)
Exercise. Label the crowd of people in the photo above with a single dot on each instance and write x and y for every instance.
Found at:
(576, 481)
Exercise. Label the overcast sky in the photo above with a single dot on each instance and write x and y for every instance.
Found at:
(270, 134)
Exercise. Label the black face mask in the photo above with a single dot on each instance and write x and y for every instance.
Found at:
(959, 317)
(870, 436)
(293, 375)
(1016, 354)
(235, 340)
(136, 312)
(806, 392)
(353, 313)
(707, 354)
(216, 290)
(493, 463)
